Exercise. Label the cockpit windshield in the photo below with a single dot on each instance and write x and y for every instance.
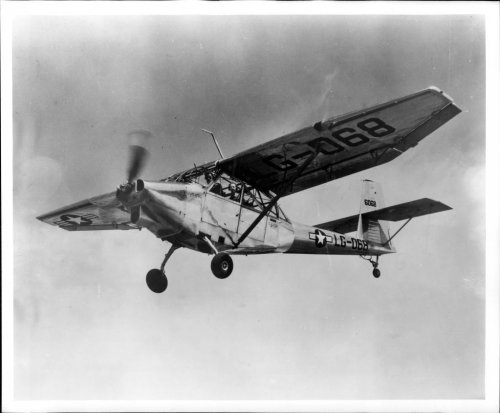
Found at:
(203, 175)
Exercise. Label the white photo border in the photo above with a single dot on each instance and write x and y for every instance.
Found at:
(490, 11)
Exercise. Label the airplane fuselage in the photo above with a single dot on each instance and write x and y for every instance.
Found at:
(191, 216)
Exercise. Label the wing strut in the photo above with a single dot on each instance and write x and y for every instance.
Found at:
(282, 192)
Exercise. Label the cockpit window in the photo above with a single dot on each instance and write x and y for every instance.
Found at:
(230, 188)
(258, 200)
(227, 188)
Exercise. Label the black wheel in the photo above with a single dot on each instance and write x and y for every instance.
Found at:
(222, 265)
(156, 281)
(376, 273)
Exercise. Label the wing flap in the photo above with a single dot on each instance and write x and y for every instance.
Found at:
(102, 212)
(345, 144)
(394, 213)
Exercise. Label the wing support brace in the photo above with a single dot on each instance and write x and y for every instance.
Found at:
(277, 197)
(397, 232)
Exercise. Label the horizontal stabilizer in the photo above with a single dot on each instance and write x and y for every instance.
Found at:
(398, 212)
(342, 225)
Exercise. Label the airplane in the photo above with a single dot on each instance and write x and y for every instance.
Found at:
(230, 206)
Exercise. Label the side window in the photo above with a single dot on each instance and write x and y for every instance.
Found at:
(227, 188)
(255, 199)
(233, 191)
(249, 198)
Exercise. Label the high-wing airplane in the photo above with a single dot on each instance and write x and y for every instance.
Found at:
(230, 206)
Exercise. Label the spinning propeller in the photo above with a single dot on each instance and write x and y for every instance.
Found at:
(138, 154)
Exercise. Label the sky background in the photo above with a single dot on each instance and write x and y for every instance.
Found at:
(282, 326)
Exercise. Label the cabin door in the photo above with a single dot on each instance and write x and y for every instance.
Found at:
(221, 212)
(222, 206)
(247, 217)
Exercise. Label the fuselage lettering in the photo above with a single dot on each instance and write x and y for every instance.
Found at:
(342, 241)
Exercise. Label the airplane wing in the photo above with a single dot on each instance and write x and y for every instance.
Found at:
(345, 144)
(102, 212)
(398, 212)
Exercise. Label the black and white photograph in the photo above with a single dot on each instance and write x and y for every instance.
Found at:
(279, 208)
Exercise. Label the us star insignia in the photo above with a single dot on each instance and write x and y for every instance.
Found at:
(320, 238)
(75, 220)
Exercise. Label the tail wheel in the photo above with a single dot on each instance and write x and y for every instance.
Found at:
(157, 281)
(222, 265)
(376, 272)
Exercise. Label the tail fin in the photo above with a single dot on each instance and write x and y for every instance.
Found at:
(370, 229)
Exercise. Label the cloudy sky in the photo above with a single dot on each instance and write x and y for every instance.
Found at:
(282, 326)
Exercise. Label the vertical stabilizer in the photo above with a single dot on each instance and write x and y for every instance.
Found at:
(372, 198)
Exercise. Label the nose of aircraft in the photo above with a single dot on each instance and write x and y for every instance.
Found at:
(164, 203)
(173, 189)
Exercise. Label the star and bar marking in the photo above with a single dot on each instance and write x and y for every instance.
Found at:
(320, 238)
(70, 220)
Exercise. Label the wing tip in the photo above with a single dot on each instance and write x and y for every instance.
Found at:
(439, 91)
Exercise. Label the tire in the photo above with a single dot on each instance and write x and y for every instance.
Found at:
(222, 265)
(156, 281)
(376, 273)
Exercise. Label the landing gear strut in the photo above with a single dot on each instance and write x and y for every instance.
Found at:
(222, 263)
(376, 271)
(156, 279)
(374, 262)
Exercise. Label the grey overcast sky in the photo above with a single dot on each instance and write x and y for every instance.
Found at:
(282, 326)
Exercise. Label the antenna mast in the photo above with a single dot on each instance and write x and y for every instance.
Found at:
(215, 141)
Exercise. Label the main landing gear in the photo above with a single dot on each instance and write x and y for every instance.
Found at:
(222, 265)
(156, 279)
